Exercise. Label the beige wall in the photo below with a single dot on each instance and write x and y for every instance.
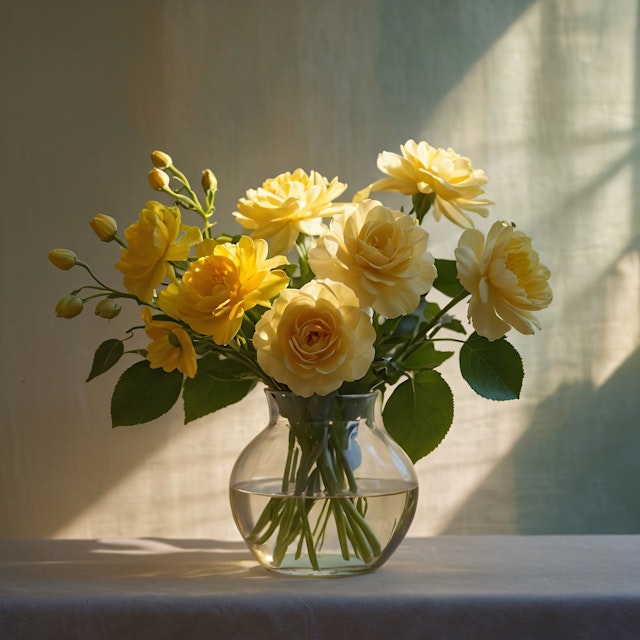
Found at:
(544, 96)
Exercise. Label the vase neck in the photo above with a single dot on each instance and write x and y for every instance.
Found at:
(321, 410)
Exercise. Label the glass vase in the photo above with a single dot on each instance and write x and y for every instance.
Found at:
(323, 490)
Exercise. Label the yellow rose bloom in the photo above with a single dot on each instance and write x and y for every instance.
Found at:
(217, 289)
(424, 169)
(506, 280)
(379, 253)
(315, 338)
(171, 347)
(154, 241)
(287, 205)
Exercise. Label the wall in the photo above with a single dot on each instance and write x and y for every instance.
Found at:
(544, 96)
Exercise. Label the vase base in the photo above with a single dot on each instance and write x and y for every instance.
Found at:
(329, 565)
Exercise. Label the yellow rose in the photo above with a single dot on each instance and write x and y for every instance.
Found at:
(217, 289)
(379, 253)
(287, 205)
(506, 280)
(422, 168)
(171, 347)
(315, 338)
(154, 241)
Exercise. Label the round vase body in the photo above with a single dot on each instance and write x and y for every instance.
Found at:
(323, 490)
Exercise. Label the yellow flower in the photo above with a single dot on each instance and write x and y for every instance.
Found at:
(287, 205)
(506, 280)
(422, 168)
(154, 241)
(64, 259)
(105, 227)
(315, 338)
(217, 289)
(171, 347)
(379, 253)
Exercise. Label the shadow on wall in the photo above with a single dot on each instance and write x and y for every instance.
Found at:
(582, 477)
(574, 471)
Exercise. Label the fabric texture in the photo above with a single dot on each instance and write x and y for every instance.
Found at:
(472, 588)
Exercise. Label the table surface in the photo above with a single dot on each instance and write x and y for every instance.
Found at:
(519, 587)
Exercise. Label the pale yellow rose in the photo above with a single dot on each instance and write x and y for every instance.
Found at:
(315, 338)
(153, 242)
(171, 347)
(379, 253)
(287, 205)
(422, 168)
(217, 289)
(506, 280)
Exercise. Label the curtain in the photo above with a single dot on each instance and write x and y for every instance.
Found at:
(542, 95)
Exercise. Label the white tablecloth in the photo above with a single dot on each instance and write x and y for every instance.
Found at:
(494, 587)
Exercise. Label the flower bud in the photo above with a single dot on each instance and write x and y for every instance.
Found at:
(105, 227)
(158, 179)
(161, 160)
(69, 307)
(108, 309)
(209, 180)
(63, 258)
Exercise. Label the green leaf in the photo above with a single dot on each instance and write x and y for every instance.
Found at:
(430, 311)
(447, 281)
(143, 394)
(221, 368)
(424, 357)
(422, 203)
(493, 369)
(218, 383)
(106, 355)
(419, 413)
(452, 324)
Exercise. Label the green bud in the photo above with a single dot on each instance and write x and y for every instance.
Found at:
(107, 308)
(63, 258)
(209, 181)
(158, 179)
(69, 307)
(161, 160)
(105, 227)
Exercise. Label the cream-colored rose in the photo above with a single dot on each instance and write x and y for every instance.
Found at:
(315, 338)
(379, 253)
(287, 205)
(424, 169)
(506, 280)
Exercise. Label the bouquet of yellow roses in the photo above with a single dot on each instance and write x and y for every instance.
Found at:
(349, 315)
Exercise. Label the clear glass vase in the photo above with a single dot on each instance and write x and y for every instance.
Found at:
(323, 490)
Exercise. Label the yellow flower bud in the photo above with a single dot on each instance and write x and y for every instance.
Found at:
(209, 180)
(63, 258)
(161, 160)
(105, 227)
(107, 308)
(69, 307)
(158, 179)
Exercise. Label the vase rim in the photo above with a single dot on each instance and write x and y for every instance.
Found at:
(288, 394)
